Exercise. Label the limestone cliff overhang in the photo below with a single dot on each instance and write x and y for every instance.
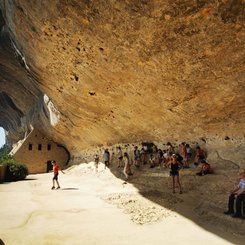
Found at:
(123, 71)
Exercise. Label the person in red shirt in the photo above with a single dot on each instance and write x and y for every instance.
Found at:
(200, 155)
(56, 173)
(205, 168)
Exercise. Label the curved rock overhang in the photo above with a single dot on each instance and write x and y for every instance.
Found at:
(123, 71)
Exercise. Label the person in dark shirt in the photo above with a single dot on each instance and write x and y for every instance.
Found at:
(175, 166)
(136, 156)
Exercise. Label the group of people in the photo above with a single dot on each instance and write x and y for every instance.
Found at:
(157, 157)
(123, 161)
(174, 161)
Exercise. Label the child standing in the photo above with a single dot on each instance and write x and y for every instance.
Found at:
(56, 173)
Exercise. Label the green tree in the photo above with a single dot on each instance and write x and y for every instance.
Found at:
(15, 170)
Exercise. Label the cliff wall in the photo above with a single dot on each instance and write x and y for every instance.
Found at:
(92, 73)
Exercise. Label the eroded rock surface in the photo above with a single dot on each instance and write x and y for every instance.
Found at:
(124, 71)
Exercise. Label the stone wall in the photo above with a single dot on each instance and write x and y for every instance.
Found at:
(35, 159)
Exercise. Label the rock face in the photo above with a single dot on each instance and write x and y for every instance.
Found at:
(123, 71)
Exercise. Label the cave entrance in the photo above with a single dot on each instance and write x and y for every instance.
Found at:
(49, 166)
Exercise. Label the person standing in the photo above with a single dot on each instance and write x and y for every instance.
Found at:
(127, 169)
(145, 154)
(96, 161)
(200, 155)
(189, 153)
(120, 157)
(184, 154)
(160, 157)
(56, 173)
(136, 156)
(170, 149)
(174, 172)
(106, 157)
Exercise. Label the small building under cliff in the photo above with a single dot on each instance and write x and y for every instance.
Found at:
(37, 152)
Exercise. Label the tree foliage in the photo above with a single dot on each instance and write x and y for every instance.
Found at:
(14, 170)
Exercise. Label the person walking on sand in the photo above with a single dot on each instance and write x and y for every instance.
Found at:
(106, 157)
(127, 168)
(175, 166)
(96, 162)
(119, 156)
(56, 173)
(239, 194)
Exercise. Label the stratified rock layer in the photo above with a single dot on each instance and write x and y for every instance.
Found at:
(125, 71)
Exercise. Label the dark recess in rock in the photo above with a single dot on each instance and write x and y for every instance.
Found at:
(76, 77)
(92, 93)
(202, 139)
(232, 11)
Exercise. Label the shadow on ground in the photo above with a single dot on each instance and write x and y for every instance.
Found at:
(203, 200)
(69, 189)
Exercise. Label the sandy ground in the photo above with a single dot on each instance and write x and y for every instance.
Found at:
(99, 208)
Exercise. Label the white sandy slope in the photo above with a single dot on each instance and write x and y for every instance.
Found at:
(83, 212)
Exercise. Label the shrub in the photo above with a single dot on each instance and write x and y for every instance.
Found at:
(15, 171)
(4, 154)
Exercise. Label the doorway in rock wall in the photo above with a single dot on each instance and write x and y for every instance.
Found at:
(49, 166)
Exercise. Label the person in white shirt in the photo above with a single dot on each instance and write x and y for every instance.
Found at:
(237, 194)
